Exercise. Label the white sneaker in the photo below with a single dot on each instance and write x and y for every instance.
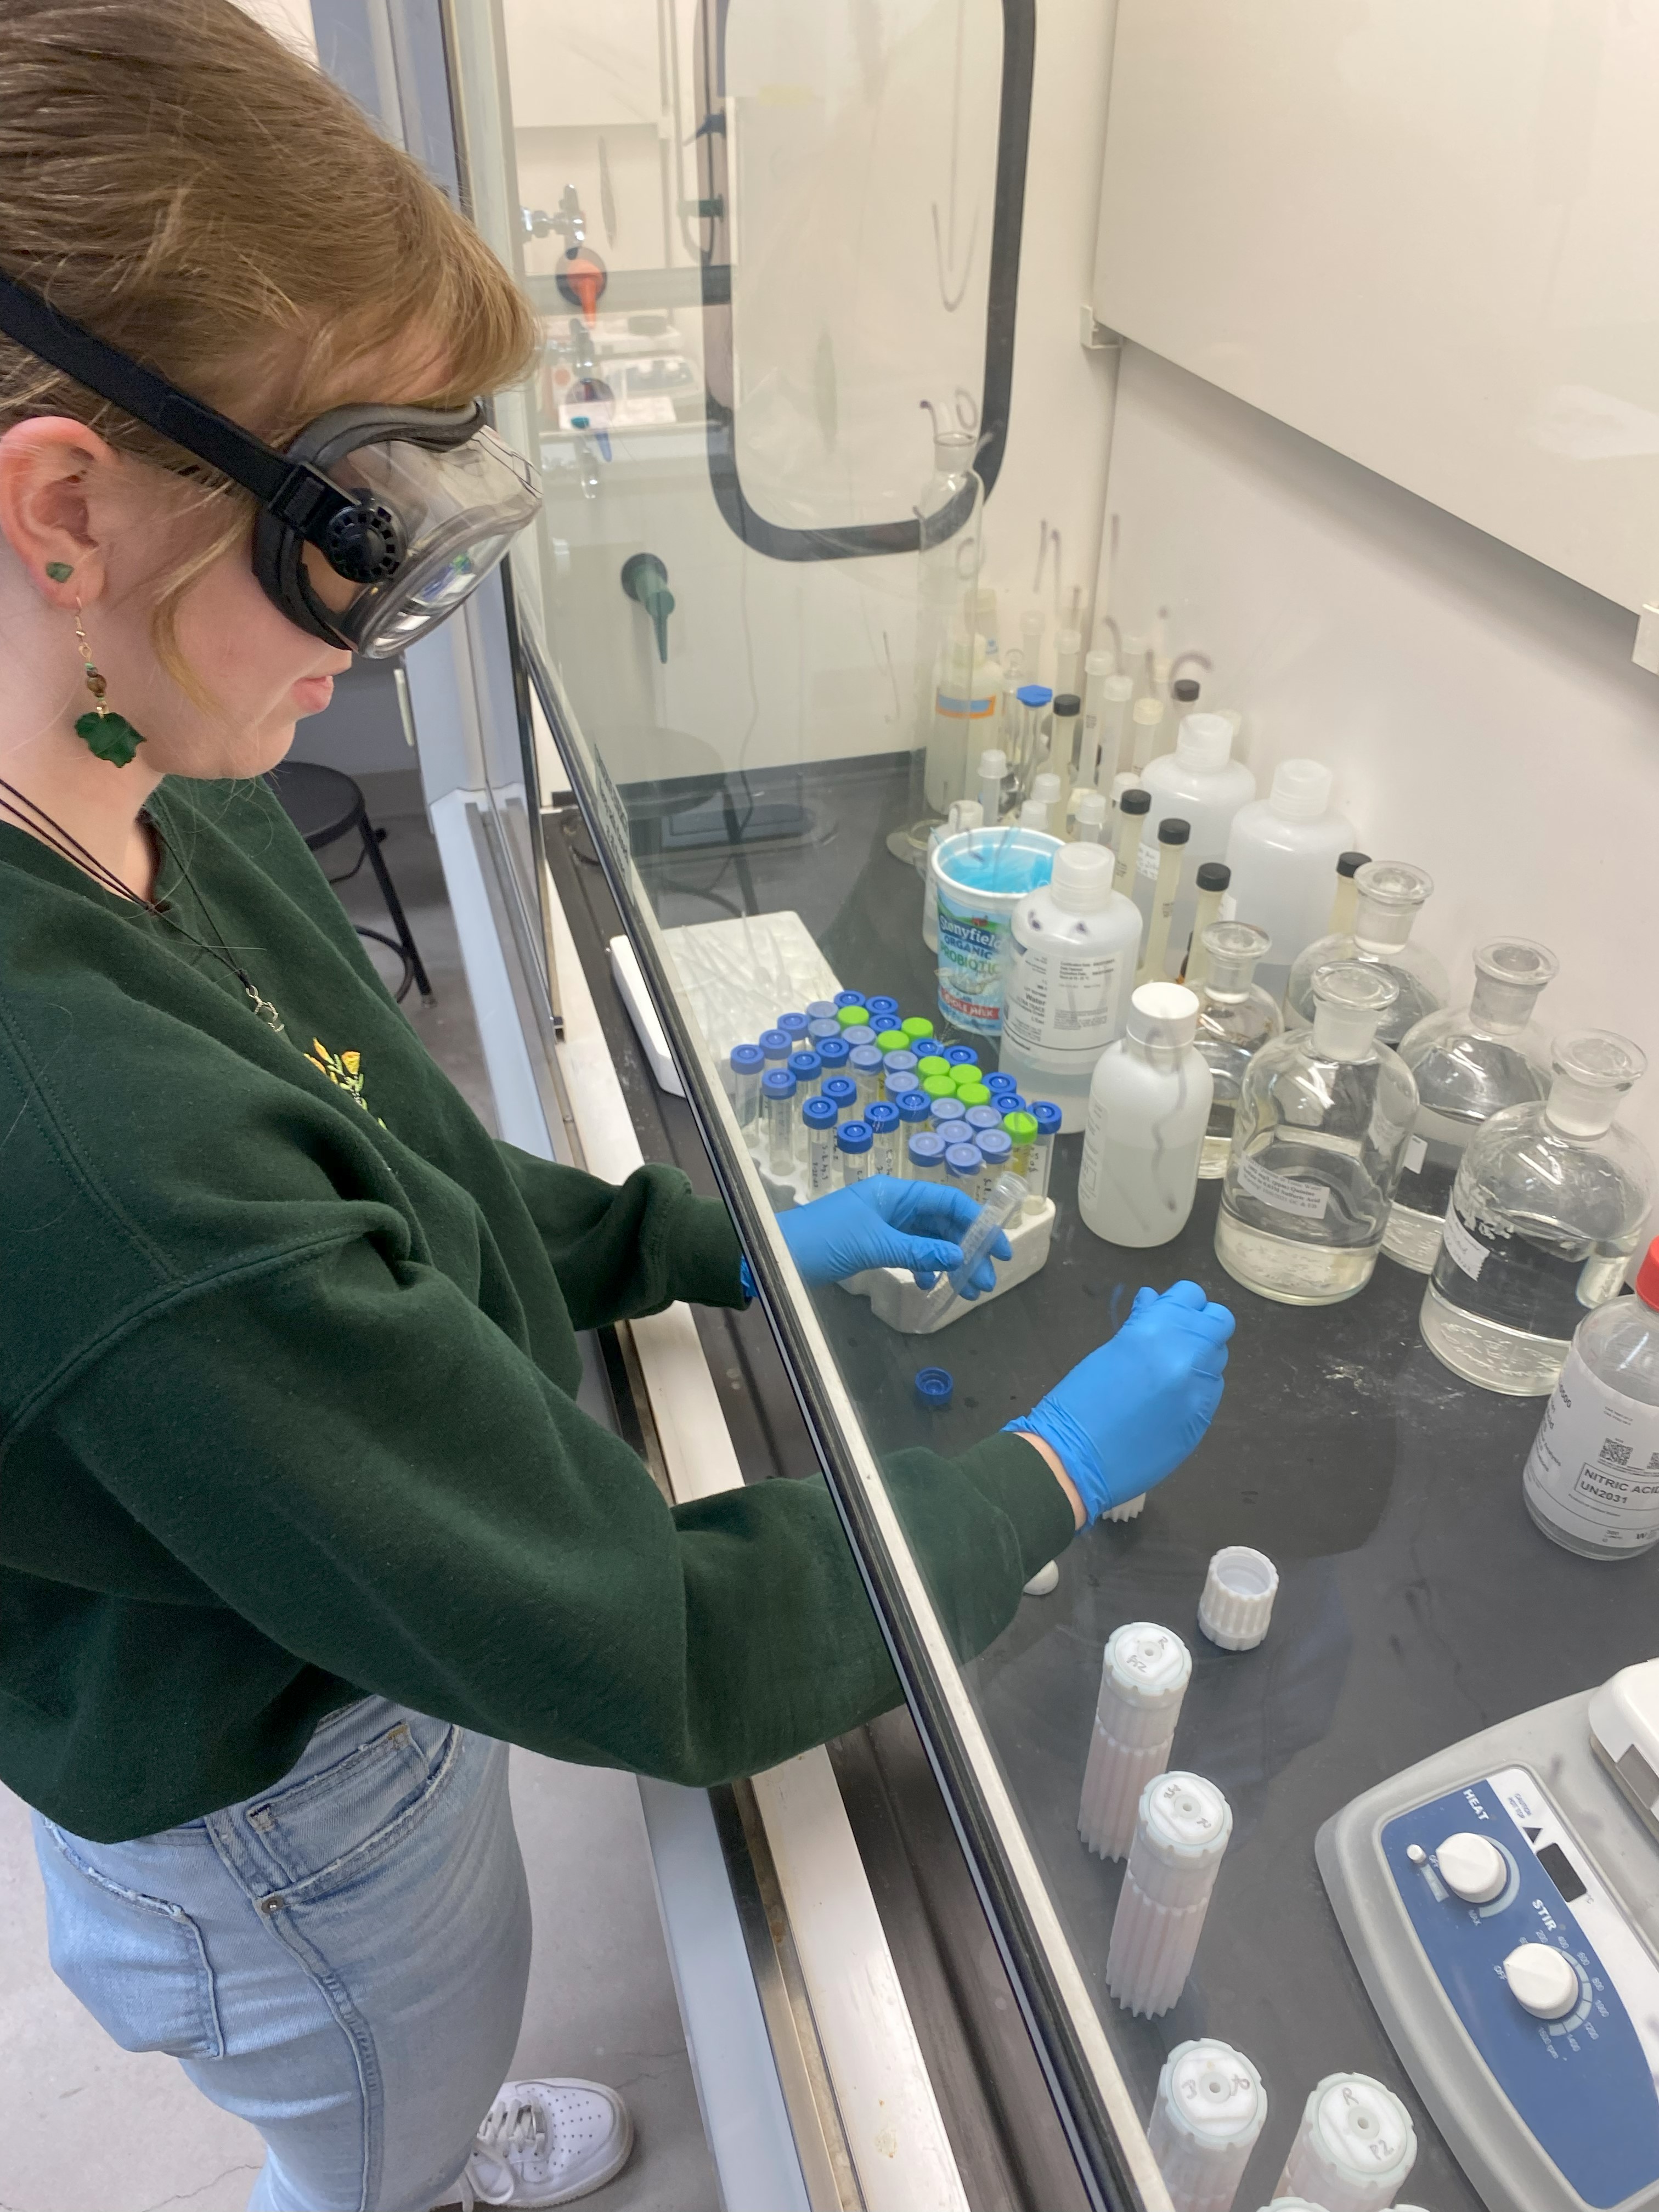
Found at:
(547, 2142)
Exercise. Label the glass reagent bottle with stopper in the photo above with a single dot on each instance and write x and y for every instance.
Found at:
(1548, 1206)
(1319, 1137)
(1592, 1477)
(1236, 1018)
(1149, 1105)
(1469, 1064)
(1390, 894)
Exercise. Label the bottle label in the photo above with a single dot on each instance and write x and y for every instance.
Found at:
(1070, 1008)
(1417, 1150)
(1146, 860)
(1462, 1245)
(1593, 1472)
(973, 956)
(953, 709)
(820, 1164)
(1287, 1194)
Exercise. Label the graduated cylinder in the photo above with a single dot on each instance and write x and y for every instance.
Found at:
(1144, 1673)
(1210, 2108)
(1181, 1832)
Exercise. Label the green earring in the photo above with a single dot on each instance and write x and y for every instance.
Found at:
(59, 571)
(110, 736)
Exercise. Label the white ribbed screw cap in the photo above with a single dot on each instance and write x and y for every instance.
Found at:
(1210, 2110)
(1238, 1602)
(1292, 2204)
(1355, 2146)
(1131, 1509)
(1145, 1666)
(1184, 1824)
(1044, 1581)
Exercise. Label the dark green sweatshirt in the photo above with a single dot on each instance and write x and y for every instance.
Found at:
(288, 1368)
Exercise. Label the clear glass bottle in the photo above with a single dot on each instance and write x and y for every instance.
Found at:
(1236, 1018)
(1389, 895)
(1319, 1136)
(1469, 1063)
(1546, 1209)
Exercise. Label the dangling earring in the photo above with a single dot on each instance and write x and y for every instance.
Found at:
(104, 732)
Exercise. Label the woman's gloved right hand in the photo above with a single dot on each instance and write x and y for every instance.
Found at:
(1129, 1414)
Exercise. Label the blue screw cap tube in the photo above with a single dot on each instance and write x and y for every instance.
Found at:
(882, 1009)
(913, 1108)
(807, 1069)
(1042, 1152)
(1000, 1082)
(902, 1062)
(748, 1065)
(962, 1055)
(982, 1117)
(843, 1094)
(962, 1166)
(819, 1033)
(793, 1025)
(996, 1148)
(776, 1047)
(935, 1387)
(853, 1140)
(821, 1010)
(926, 1156)
(882, 1118)
(832, 1051)
(948, 1115)
(849, 999)
(1012, 1103)
(819, 1118)
(779, 1116)
(864, 1065)
(859, 1033)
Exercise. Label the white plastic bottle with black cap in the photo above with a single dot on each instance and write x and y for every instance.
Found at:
(1281, 850)
(1202, 783)
(1149, 1106)
(1180, 1832)
(1354, 2148)
(1211, 2107)
(1071, 969)
(1144, 1673)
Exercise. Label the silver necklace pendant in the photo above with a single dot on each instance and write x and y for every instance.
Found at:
(263, 1008)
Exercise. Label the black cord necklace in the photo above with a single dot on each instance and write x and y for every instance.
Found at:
(39, 823)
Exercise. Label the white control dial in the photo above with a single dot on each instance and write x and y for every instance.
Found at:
(1473, 1868)
(1543, 1980)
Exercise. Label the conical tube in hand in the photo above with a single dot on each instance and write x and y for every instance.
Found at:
(1002, 1204)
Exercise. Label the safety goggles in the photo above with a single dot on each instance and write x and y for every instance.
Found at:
(412, 505)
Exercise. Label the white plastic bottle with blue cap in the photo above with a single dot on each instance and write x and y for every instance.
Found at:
(1149, 1106)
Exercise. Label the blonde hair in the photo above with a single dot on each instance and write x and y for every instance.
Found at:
(186, 187)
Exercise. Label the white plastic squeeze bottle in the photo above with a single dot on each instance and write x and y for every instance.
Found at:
(1281, 850)
(1203, 784)
(1149, 1105)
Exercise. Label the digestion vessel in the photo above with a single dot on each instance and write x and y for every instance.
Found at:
(1144, 1673)
(1547, 1207)
(1071, 970)
(1211, 2107)
(1149, 1105)
(1180, 1832)
(1389, 896)
(1354, 2149)
(1592, 1477)
(1469, 1064)
(1236, 1018)
(1319, 1136)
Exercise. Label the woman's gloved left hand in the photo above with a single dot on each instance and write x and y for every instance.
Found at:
(887, 1222)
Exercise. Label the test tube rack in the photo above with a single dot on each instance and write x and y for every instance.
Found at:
(898, 1299)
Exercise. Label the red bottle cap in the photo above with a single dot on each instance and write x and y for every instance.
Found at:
(1647, 1278)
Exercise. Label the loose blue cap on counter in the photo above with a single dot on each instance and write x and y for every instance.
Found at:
(1034, 695)
(842, 1092)
(857, 1033)
(853, 1136)
(832, 1051)
(1001, 1082)
(913, 1106)
(882, 1008)
(793, 1025)
(963, 1160)
(865, 1057)
(926, 1150)
(935, 1387)
(775, 1045)
(819, 1112)
(994, 1146)
(778, 1083)
(1048, 1117)
(979, 1117)
(899, 1063)
(962, 1055)
(806, 1067)
(947, 1110)
(849, 997)
(821, 1031)
(881, 1116)
(747, 1059)
(821, 1010)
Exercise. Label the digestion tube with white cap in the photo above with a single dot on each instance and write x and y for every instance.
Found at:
(1210, 2108)
(1172, 837)
(778, 1117)
(1354, 2149)
(1180, 1832)
(1144, 1673)
(1238, 1602)
(993, 767)
(1133, 806)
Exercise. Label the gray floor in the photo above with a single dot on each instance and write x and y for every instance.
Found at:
(83, 2124)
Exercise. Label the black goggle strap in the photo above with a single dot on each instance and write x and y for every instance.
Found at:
(297, 494)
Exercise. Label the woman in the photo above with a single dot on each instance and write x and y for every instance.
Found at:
(300, 1524)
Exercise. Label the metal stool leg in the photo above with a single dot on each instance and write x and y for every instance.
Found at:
(394, 908)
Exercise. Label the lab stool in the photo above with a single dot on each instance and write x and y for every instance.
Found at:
(325, 805)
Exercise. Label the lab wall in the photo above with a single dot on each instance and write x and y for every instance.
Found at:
(1481, 712)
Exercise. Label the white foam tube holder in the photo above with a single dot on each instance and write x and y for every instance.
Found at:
(1144, 1673)
(897, 1298)
(1210, 2108)
(1238, 1603)
(1131, 1509)
(1354, 2149)
(1181, 1833)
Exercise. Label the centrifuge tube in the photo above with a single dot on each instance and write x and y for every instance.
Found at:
(926, 1156)
(819, 1118)
(1180, 1832)
(962, 1167)
(864, 1065)
(747, 1064)
(1133, 806)
(778, 1117)
(808, 1070)
(1238, 1602)
(1210, 2108)
(1000, 1206)
(853, 1141)
(882, 1118)
(843, 1094)
(1047, 1117)
(995, 1148)
(1144, 1673)
(1354, 2149)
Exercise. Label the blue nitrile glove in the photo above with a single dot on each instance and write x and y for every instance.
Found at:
(1129, 1414)
(887, 1222)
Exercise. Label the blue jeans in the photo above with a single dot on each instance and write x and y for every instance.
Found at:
(341, 1961)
